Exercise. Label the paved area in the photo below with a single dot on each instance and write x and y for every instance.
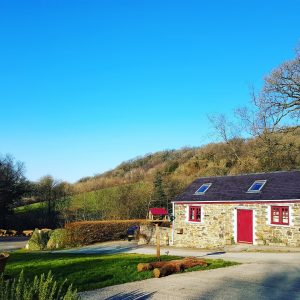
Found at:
(261, 276)
(239, 253)
(104, 248)
(269, 275)
(12, 243)
(247, 281)
(243, 257)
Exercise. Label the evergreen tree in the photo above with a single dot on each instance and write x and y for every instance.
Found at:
(159, 196)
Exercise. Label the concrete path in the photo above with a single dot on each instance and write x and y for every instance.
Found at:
(12, 243)
(236, 253)
(103, 248)
(243, 257)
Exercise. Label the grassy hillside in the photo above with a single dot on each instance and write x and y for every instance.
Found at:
(119, 202)
(182, 166)
(30, 208)
(153, 180)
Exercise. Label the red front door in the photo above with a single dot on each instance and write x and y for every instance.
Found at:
(244, 226)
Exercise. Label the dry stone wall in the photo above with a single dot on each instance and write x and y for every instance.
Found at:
(147, 235)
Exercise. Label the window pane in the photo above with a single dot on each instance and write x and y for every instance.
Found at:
(285, 215)
(192, 213)
(195, 213)
(280, 215)
(285, 220)
(256, 186)
(203, 188)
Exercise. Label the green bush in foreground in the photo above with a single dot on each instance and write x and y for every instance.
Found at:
(38, 240)
(58, 239)
(41, 288)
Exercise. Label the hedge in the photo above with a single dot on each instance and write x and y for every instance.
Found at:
(89, 232)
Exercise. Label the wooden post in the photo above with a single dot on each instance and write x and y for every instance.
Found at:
(157, 242)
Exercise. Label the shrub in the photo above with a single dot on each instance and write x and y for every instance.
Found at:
(38, 240)
(41, 288)
(85, 233)
(58, 239)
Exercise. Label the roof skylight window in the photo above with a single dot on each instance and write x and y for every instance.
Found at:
(256, 186)
(203, 188)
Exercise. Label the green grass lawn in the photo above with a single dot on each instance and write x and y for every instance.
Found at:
(88, 272)
(30, 207)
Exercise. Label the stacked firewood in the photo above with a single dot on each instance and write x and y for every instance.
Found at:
(165, 268)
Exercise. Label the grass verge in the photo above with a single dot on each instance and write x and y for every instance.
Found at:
(88, 272)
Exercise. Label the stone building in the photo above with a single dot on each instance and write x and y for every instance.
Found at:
(259, 209)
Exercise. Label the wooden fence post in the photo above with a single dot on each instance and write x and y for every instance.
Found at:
(157, 242)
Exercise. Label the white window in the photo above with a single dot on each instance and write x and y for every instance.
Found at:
(203, 188)
(256, 186)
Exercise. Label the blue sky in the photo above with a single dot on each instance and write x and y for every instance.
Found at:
(85, 85)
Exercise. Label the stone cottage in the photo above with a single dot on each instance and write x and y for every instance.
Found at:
(259, 209)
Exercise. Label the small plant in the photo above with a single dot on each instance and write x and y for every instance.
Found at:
(276, 240)
(232, 240)
(41, 288)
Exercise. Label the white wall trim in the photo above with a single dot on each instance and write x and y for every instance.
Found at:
(173, 223)
(234, 201)
(254, 227)
(235, 225)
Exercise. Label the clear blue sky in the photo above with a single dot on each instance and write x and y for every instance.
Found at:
(85, 85)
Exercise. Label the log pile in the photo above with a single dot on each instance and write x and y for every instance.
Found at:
(165, 268)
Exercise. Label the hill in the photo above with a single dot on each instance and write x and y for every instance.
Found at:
(237, 156)
(154, 179)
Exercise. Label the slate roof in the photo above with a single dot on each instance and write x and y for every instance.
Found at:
(283, 185)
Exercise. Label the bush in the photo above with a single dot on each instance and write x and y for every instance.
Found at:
(58, 239)
(41, 288)
(89, 232)
(38, 240)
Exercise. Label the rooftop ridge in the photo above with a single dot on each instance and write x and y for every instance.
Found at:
(247, 174)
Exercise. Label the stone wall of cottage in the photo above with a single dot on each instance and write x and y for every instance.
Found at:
(217, 229)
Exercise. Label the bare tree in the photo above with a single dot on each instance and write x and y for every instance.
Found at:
(281, 92)
(275, 110)
(228, 131)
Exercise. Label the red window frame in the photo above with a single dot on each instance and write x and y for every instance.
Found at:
(195, 213)
(282, 213)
